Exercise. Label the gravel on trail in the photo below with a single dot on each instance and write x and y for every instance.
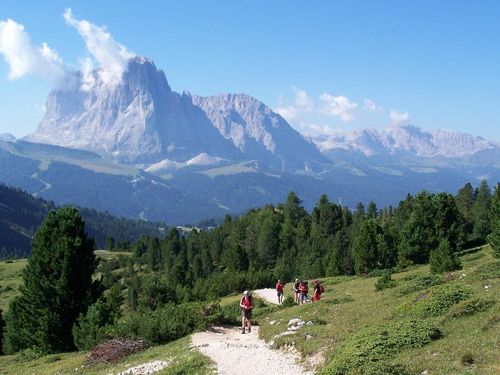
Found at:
(267, 294)
(235, 353)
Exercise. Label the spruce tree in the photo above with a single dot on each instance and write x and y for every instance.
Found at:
(480, 212)
(494, 237)
(57, 286)
(443, 259)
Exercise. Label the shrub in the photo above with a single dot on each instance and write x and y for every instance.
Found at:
(373, 345)
(470, 307)
(385, 281)
(442, 259)
(467, 359)
(419, 283)
(435, 301)
(165, 324)
(28, 355)
(379, 368)
(288, 302)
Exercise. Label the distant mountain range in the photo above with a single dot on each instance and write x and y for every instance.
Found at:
(140, 150)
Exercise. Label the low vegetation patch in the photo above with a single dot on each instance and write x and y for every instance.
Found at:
(434, 302)
(385, 281)
(342, 299)
(470, 307)
(419, 283)
(488, 271)
(114, 350)
(363, 352)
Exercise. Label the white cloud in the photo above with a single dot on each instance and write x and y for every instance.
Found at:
(302, 99)
(370, 106)
(110, 56)
(399, 118)
(25, 58)
(339, 106)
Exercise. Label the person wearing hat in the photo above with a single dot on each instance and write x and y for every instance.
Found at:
(246, 306)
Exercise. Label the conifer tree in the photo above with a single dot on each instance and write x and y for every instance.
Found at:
(480, 212)
(57, 286)
(494, 237)
(364, 247)
(443, 259)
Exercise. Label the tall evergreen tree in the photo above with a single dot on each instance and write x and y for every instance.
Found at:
(57, 286)
(365, 247)
(465, 199)
(494, 237)
(480, 212)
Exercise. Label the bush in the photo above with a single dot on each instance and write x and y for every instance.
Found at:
(373, 345)
(379, 368)
(90, 328)
(165, 324)
(470, 307)
(385, 281)
(288, 302)
(28, 355)
(419, 283)
(435, 301)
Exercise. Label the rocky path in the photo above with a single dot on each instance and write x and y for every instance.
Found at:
(237, 354)
(267, 294)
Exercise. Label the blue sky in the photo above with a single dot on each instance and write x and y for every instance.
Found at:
(325, 66)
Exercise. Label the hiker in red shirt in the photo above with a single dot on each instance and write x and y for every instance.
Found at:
(318, 291)
(246, 305)
(279, 291)
(303, 290)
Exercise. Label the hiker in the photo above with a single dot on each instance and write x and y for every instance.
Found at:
(279, 291)
(318, 291)
(246, 311)
(296, 290)
(303, 290)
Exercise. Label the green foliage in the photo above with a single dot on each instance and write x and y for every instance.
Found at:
(419, 283)
(90, 329)
(374, 345)
(364, 247)
(442, 259)
(28, 355)
(494, 237)
(481, 211)
(288, 302)
(385, 281)
(434, 302)
(379, 368)
(57, 287)
(470, 307)
(165, 324)
(488, 271)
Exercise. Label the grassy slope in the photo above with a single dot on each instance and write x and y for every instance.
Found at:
(351, 304)
(10, 280)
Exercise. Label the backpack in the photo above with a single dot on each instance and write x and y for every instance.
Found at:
(321, 289)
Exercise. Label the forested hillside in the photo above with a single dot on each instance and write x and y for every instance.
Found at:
(21, 214)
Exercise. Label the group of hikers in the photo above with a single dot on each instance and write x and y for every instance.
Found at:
(300, 291)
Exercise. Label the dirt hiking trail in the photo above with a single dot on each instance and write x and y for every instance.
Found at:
(235, 353)
(267, 294)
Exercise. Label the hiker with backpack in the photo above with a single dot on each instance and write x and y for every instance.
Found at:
(296, 292)
(279, 291)
(303, 290)
(318, 291)
(246, 305)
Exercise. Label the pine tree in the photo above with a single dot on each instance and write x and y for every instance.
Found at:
(443, 259)
(57, 286)
(494, 237)
(480, 212)
(465, 199)
(364, 247)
